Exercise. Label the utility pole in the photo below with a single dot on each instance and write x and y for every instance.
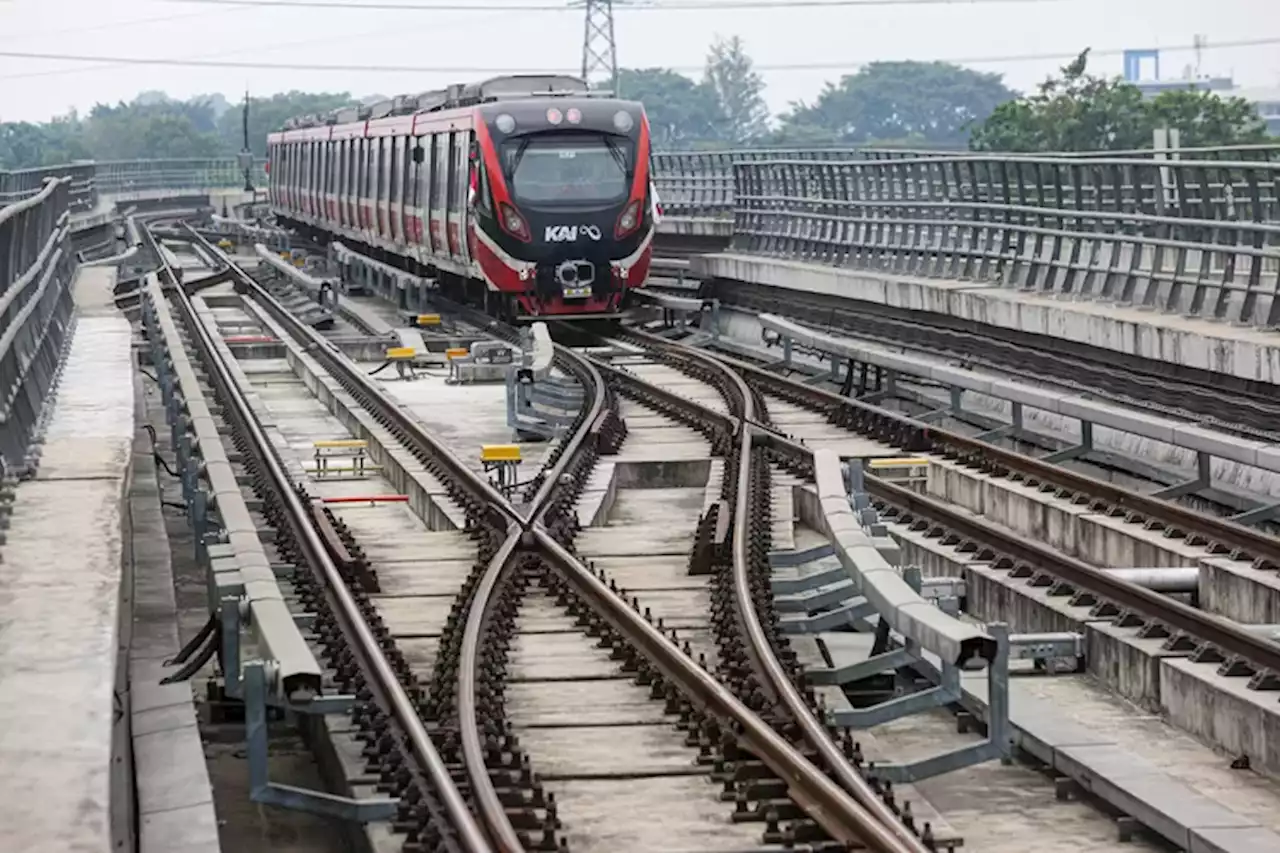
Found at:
(246, 153)
(599, 49)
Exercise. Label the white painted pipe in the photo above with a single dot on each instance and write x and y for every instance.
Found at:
(1161, 578)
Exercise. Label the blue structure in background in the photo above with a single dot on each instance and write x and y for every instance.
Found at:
(1133, 64)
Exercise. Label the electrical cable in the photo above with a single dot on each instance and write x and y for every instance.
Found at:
(422, 69)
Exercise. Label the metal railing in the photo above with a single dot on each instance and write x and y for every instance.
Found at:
(700, 184)
(15, 186)
(92, 180)
(35, 312)
(1198, 237)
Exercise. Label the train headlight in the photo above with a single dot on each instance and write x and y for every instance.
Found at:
(628, 221)
(505, 123)
(623, 121)
(513, 223)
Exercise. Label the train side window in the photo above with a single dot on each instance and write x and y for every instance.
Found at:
(339, 167)
(393, 169)
(362, 161)
(349, 186)
(407, 182)
(484, 193)
(381, 188)
(357, 169)
(384, 171)
(428, 144)
(322, 168)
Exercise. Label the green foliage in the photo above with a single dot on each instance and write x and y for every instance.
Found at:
(1081, 112)
(681, 112)
(154, 126)
(916, 104)
(267, 115)
(743, 114)
(1206, 118)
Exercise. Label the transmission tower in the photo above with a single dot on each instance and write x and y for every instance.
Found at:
(599, 50)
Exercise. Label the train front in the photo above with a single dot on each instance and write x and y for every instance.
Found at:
(563, 220)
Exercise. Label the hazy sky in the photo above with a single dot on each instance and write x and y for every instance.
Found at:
(458, 46)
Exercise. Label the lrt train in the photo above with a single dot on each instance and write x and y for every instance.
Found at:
(527, 194)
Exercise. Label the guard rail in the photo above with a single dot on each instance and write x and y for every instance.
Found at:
(36, 269)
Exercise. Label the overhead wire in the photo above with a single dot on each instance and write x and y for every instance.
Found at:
(843, 65)
(257, 48)
(653, 6)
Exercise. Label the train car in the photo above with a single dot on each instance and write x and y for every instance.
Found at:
(528, 194)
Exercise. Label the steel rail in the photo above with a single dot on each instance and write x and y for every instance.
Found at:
(493, 812)
(1246, 540)
(364, 389)
(886, 830)
(387, 690)
(1228, 636)
(1071, 369)
(822, 799)
(489, 805)
(863, 821)
(831, 806)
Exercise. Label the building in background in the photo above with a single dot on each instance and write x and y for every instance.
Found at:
(1142, 69)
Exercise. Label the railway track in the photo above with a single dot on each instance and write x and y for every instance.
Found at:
(1254, 412)
(1186, 627)
(418, 727)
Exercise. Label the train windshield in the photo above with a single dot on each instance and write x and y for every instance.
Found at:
(569, 169)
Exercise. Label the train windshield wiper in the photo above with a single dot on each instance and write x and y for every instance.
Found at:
(518, 156)
(619, 156)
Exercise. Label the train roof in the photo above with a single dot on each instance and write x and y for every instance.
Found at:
(508, 87)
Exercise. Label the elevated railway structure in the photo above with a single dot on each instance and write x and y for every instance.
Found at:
(452, 636)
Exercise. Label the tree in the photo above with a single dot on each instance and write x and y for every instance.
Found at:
(267, 115)
(920, 103)
(1205, 118)
(1081, 112)
(681, 111)
(1076, 112)
(743, 114)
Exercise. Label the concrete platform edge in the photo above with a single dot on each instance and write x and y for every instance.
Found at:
(175, 810)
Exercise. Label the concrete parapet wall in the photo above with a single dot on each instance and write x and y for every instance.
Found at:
(1219, 348)
(1230, 588)
(1221, 711)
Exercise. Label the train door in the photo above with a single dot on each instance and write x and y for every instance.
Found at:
(422, 194)
(439, 187)
(331, 181)
(465, 145)
(349, 184)
(295, 157)
(383, 207)
(309, 179)
(395, 180)
(457, 192)
(410, 199)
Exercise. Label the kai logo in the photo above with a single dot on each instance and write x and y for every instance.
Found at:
(570, 233)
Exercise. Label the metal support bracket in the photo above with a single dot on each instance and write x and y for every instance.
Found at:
(1084, 448)
(1204, 470)
(263, 790)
